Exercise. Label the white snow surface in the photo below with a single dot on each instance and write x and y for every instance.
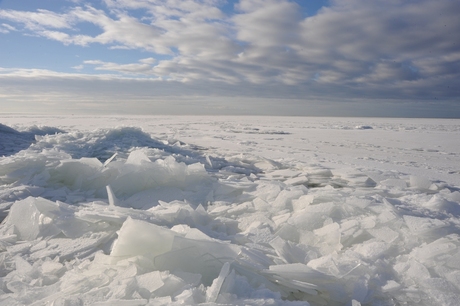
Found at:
(158, 210)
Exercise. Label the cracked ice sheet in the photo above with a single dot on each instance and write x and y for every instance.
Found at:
(253, 210)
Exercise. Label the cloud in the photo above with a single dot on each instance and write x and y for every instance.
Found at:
(267, 23)
(36, 21)
(144, 67)
(352, 48)
(6, 28)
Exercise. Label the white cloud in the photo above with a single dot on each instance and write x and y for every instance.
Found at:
(6, 28)
(37, 20)
(144, 67)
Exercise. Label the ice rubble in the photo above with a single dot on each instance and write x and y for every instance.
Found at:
(160, 226)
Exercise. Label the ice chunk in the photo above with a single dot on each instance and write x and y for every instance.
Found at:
(397, 183)
(441, 246)
(329, 238)
(133, 177)
(391, 285)
(31, 218)
(385, 233)
(138, 158)
(77, 174)
(204, 257)
(283, 173)
(138, 237)
(113, 201)
(110, 159)
(289, 252)
(300, 180)
(372, 249)
(288, 232)
(150, 281)
(213, 291)
(302, 202)
(438, 202)
(421, 183)
(420, 226)
(417, 271)
(67, 248)
(285, 197)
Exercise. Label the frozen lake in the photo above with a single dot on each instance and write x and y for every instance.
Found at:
(161, 210)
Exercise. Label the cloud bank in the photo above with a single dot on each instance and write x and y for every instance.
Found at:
(351, 49)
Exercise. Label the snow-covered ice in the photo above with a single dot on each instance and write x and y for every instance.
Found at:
(158, 210)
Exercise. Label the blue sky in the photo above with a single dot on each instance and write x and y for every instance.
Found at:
(266, 57)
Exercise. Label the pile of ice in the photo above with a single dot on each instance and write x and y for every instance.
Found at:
(158, 223)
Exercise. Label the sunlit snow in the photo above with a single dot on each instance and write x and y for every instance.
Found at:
(229, 211)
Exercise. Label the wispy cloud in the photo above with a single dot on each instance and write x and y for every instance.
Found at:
(39, 20)
(143, 67)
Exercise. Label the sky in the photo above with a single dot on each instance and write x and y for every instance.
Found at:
(396, 58)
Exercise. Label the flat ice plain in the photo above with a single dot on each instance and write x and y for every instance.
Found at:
(158, 210)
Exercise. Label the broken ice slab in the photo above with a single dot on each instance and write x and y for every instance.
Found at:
(286, 196)
(44, 219)
(137, 237)
(372, 250)
(300, 180)
(288, 251)
(77, 173)
(149, 282)
(422, 226)
(213, 290)
(282, 174)
(354, 178)
(205, 257)
(384, 233)
(329, 237)
(171, 251)
(441, 203)
(300, 272)
(391, 285)
(298, 277)
(421, 183)
(113, 201)
(431, 253)
(395, 183)
(66, 248)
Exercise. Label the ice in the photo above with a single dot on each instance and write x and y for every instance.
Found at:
(385, 233)
(186, 212)
(149, 282)
(138, 237)
(423, 226)
(31, 218)
(397, 183)
(213, 291)
(113, 201)
(419, 182)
